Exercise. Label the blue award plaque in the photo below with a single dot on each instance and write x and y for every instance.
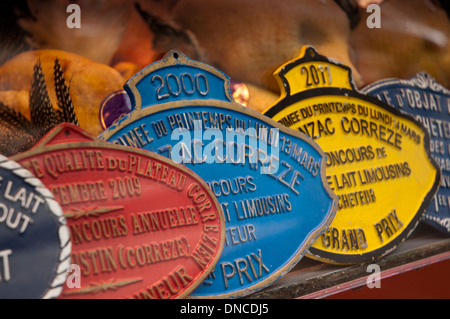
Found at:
(429, 103)
(35, 242)
(269, 180)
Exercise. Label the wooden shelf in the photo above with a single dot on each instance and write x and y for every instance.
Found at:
(313, 279)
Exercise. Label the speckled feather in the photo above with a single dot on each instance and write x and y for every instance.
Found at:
(67, 109)
(42, 112)
(17, 133)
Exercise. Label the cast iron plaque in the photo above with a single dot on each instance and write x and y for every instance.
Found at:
(34, 239)
(378, 159)
(429, 103)
(142, 226)
(269, 179)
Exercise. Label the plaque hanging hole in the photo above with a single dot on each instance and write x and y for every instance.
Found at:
(67, 132)
(175, 55)
(311, 53)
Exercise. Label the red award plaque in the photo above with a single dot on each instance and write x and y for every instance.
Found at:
(141, 225)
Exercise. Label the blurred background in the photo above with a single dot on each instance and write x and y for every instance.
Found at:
(248, 40)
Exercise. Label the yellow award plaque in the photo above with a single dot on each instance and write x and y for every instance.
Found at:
(378, 159)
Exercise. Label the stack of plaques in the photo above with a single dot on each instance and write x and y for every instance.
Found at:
(191, 194)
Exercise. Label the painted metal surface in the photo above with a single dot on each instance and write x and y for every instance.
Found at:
(378, 159)
(269, 179)
(142, 226)
(429, 103)
(34, 239)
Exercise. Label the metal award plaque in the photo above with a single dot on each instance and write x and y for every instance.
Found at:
(35, 242)
(141, 225)
(269, 179)
(429, 103)
(378, 159)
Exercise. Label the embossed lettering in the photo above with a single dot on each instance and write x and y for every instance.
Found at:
(5, 276)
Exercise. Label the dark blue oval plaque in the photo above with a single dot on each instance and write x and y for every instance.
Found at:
(34, 239)
(270, 180)
(429, 103)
